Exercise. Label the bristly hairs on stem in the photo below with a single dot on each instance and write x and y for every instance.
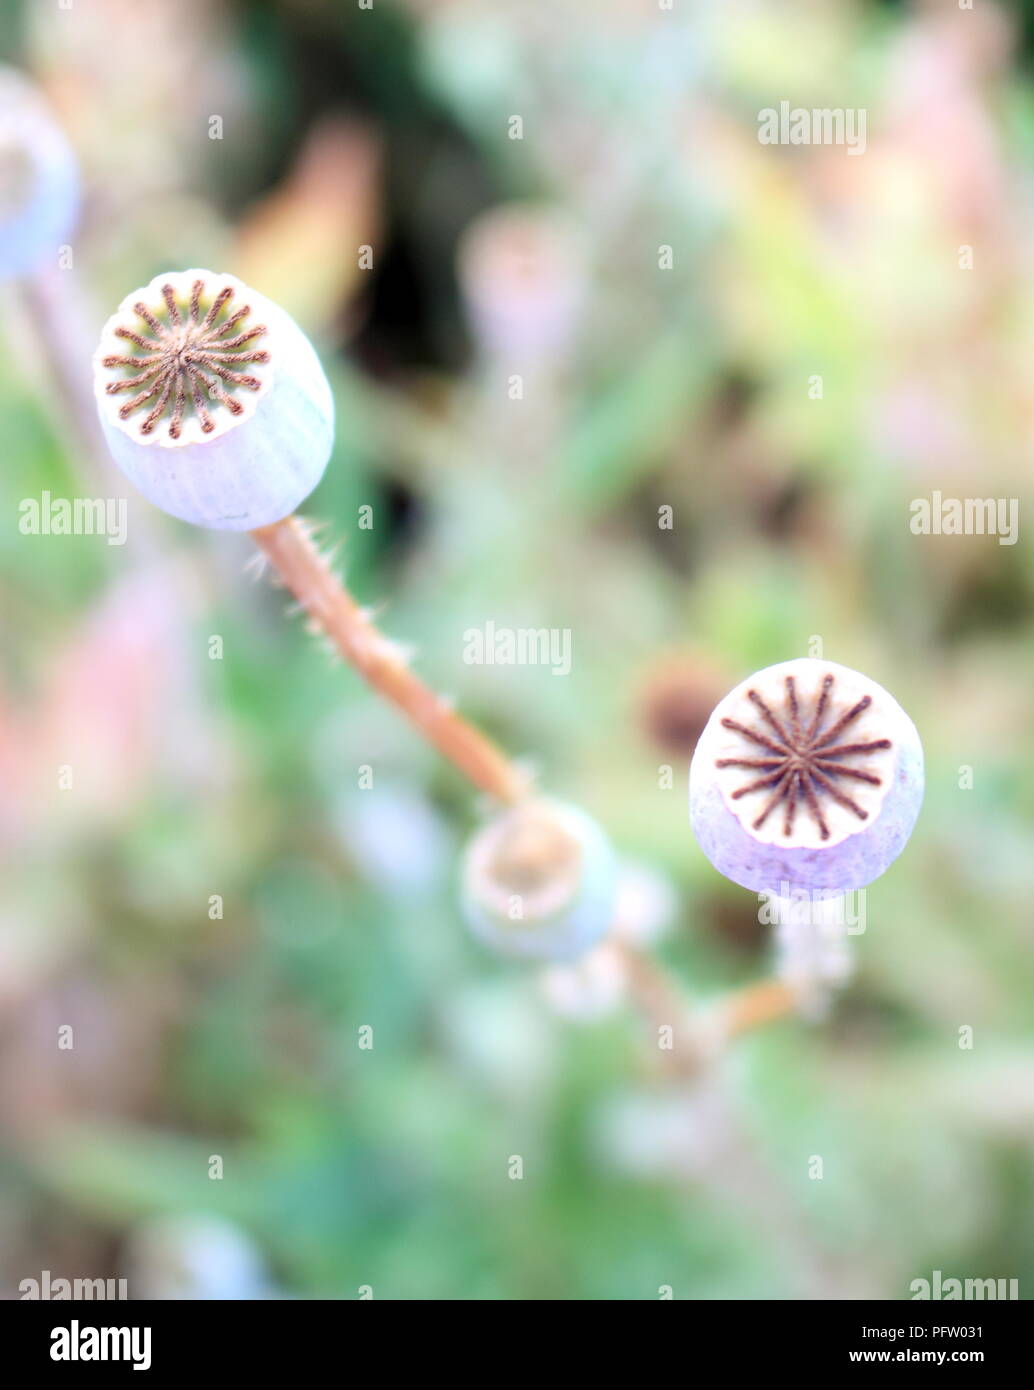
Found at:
(290, 549)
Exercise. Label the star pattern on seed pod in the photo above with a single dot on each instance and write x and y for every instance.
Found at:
(186, 355)
(802, 761)
(212, 400)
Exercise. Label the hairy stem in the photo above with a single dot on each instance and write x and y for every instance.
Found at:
(289, 548)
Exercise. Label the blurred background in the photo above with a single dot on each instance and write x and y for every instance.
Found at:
(783, 344)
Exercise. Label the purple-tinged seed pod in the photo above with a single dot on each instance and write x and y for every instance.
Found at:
(195, 1256)
(808, 775)
(522, 270)
(213, 401)
(39, 179)
(539, 882)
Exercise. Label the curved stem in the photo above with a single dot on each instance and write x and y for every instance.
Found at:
(755, 1005)
(658, 999)
(55, 310)
(289, 548)
(59, 319)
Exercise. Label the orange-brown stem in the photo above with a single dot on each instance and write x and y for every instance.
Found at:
(652, 988)
(288, 547)
(658, 999)
(755, 1005)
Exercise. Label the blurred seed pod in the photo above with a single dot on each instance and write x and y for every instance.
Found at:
(588, 988)
(539, 882)
(384, 818)
(213, 401)
(194, 1257)
(675, 702)
(645, 905)
(39, 179)
(522, 272)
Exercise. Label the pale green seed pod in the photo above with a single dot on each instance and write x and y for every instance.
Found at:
(213, 401)
(539, 882)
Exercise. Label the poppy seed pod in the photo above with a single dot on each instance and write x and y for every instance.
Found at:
(195, 1257)
(522, 273)
(213, 401)
(807, 775)
(39, 179)
(539, 882)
